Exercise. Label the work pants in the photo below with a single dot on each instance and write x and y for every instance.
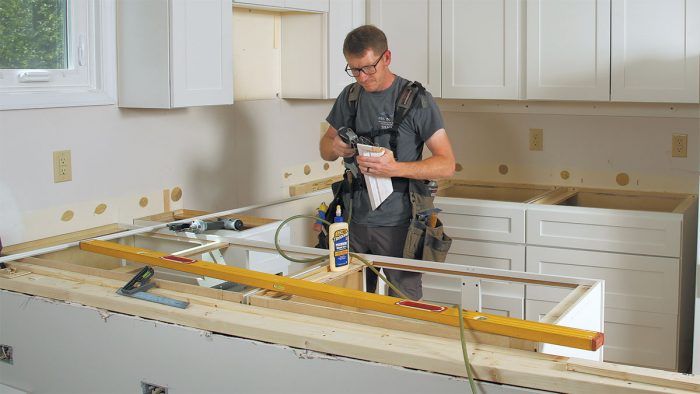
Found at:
(386, 241)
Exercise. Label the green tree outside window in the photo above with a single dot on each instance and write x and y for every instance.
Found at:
(33, 34)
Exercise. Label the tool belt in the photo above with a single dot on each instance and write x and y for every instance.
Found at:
(424, 242)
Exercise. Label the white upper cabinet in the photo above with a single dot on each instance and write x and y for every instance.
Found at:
(343, 16)
(304, 5)
(480, 49)
(174, 53)
(568, 50)
(308, 5)
(655, 46)
(413, 30)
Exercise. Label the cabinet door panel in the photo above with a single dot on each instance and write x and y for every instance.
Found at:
(568, 49)
(655, 47)
(202, 53)
(343, 16)
(412, 28)
(480, 51)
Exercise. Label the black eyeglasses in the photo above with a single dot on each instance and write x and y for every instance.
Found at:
(368, 70)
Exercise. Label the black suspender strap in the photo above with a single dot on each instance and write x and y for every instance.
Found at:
(411, 95)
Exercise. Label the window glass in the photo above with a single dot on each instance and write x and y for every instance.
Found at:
(34, 34)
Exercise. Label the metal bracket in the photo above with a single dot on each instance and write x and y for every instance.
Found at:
(150, 388)
(471, 293)
(6, 354)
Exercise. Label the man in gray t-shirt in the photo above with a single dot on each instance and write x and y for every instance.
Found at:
(383, 231)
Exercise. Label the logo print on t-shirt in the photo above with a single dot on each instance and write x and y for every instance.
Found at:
(385, 121)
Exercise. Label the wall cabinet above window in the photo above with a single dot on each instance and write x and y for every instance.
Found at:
(174, 53)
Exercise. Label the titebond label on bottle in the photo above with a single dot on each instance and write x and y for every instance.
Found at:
(340, 247)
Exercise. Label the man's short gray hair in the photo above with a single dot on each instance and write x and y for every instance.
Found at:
(363, 38)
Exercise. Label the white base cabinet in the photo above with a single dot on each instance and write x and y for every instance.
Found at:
(641, 300)
(641, 244)
(646, 258)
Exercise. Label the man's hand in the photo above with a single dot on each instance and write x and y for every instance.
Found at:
(341, 149)
(333, 147)
(381, 166)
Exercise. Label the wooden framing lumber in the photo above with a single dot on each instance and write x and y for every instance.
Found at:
(388, 346)
(534, 331)
(313, 186)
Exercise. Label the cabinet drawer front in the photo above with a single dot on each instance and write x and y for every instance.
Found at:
(641, 338)
(606, 230)
(641, 283)
(486, 222)
(631, 337)
(505, 299)
(479, 254)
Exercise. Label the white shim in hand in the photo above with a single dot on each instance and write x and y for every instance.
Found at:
(378, 188)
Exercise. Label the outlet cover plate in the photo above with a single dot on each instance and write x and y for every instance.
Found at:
(62, 169)
(679, 145)
(536, 139)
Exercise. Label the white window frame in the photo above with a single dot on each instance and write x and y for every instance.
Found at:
(90, 78)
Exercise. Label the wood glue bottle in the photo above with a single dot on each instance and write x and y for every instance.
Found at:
(339, 243)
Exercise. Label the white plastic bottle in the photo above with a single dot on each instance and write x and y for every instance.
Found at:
(339, 243)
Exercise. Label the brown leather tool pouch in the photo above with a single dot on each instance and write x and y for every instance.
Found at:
(422, 241)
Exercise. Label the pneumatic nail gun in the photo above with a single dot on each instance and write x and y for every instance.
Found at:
(351, 138)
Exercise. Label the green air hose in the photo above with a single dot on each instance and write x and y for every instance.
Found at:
(371, 266)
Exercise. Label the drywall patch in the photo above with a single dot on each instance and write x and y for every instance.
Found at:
(622, 179)
(67, 216)
(100, 209)
(176, 194)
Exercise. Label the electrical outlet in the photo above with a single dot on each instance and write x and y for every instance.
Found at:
(536, 139)
(62, 170)
(679, 145)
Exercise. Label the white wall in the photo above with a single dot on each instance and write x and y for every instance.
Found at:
(221, 157)
(592, 142)
(231, 156)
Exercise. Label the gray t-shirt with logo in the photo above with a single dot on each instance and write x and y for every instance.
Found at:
(375, 111)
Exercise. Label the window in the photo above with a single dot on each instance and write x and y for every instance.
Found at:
(56, 53)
